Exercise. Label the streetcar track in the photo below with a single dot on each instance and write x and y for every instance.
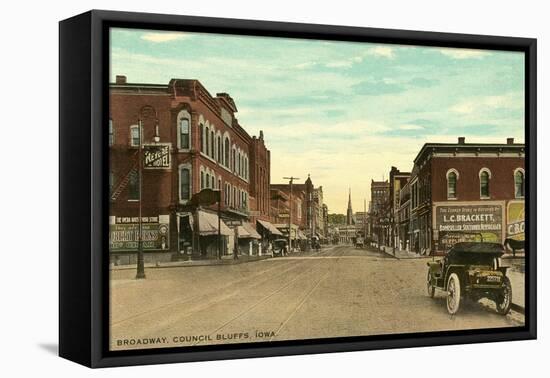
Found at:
(196, 296)
(264, 299)
(233, 283)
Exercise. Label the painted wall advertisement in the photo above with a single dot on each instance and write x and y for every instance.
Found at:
(124, 233)
(515, 220)
(468, 222)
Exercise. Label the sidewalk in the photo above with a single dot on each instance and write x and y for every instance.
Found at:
(225, 260)
(401, 254)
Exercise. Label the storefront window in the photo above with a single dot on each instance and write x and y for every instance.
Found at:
(519, 180)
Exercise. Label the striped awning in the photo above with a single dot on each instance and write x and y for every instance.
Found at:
(247, 231)
(269, 227)
(208, 225)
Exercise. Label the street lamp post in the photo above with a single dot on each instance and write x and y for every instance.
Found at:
(291, 179)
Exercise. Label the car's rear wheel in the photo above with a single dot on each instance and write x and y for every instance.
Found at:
(453, 297)
(503, 300)
(429, 286)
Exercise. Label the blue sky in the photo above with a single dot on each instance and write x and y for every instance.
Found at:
(343, 112)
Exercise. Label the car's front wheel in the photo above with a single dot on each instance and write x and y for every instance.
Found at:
(453, 297)
(503, 299)
(429, 286)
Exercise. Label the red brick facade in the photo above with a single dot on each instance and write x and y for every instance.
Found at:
(207, 145)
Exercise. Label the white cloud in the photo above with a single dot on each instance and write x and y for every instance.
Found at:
(505, 101)
(162, 37)
(382, 51)
(410, 127)
(463, 53)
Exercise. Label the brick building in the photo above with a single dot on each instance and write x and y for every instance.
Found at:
(466, 191)
(378, 215)
(191, 141)
(397, 181)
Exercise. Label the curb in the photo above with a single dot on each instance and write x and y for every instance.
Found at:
(190, 264)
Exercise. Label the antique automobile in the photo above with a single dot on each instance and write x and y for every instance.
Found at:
(280, 247)
(471, 270)
(359, 242)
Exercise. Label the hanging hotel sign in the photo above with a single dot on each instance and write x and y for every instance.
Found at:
(468, 222)
(156, 156)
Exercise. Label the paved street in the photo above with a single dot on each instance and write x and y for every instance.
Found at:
(339, 291)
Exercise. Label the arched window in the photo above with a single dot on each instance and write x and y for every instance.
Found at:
(226, 152)
(519, 183)
(202, 180)
(202, 137)
(183, 130)
(452, 177)
(207, 141)
(207, 180)
(212, 149)
(213, 184)
(233, 155)
(185, 182)
(484, 178)
(219, 148)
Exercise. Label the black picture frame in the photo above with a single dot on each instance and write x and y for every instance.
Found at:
(83, 198)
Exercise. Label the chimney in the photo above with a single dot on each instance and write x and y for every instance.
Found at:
(461, 140)
(509, 140)
(261, 135)
(120, 79)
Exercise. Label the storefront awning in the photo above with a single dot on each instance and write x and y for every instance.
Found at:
(269, 227)
(208, 225)
(247, 231)
(301, 235)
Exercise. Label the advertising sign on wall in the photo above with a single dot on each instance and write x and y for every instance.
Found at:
(125, 236)
(468, 222)
(515, 220)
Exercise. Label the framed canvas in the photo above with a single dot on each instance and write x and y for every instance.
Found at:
(235, 188)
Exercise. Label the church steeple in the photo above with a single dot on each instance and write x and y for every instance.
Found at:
(349, 215)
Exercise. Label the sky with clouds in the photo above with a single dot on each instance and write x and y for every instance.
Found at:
(342, 112)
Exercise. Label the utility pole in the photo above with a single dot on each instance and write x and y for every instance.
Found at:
(291, 179)
(140, 274)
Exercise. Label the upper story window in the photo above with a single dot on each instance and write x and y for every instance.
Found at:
(233, 156)
(484, 178)
(111, 133)
(201, 130)
(133, 186)
(134, 136)
(207, 141)
(184, 130)
(213, 183)
(226, 152)
(219, 149)
(202, 180)
(452, 178)
(185, 182)
(519, 183)
(212, 149)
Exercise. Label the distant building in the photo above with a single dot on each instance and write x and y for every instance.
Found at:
(349, 215)
(379, 211)
(398, 180)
